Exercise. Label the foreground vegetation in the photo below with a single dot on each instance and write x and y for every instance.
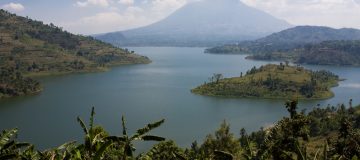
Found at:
(33, 48)
(324, 133)
(273, 81)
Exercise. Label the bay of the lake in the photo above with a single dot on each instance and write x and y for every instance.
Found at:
(149, 92)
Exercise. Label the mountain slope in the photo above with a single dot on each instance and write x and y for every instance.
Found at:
(30, 48)
(289, 39)
(204, 23)
(34, 48)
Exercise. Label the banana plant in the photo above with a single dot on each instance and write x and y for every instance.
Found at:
(68, 150)
(9, 148)
(141, 134)
(95, 143)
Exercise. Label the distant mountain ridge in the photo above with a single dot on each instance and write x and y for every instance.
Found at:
(289, 39)
(202, 23)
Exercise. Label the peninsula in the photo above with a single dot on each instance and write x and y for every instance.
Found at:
(273, 81)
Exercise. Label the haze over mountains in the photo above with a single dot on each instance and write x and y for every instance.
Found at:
(289, 39)
(202, 23)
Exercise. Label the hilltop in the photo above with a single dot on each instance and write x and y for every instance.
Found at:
(31, 48)
(273, 81)
(345, 53)
(202, 23)
(289, 39)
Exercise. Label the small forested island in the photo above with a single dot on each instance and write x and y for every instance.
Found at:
(273, 81)
(31, 48)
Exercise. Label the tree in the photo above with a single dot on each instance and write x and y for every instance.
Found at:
(126, 141)
(95, 142)
(218, 77)
(9, 148)
(222, 144)
(282, 142)
(165, 150)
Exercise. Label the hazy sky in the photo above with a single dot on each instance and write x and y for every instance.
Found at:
(99, 16)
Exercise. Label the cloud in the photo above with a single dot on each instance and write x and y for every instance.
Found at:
(117, 17)
(333, 13)
(109, 21)
(126, 2)
(17, 7)
(101, 3)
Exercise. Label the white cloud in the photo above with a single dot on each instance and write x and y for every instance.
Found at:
(333, 13)
(117, 18)
(109, 21)
(161, 8)
(119, 15)
(126, 2)
(17, 7)
(101, 3)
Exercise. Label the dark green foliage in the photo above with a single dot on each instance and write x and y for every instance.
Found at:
(165, 150)
(11, 149)
(126, 141)
(12, 83)
(222, 144)
(282, 140)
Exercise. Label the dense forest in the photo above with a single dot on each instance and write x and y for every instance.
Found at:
(323, 133)
(12, 83)
(272, 81)
(33, 48)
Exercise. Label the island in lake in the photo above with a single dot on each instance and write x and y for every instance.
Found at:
(273, 81)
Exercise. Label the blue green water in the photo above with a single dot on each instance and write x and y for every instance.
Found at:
(146, 93)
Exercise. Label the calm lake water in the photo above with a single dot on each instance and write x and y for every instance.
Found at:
(146, 93)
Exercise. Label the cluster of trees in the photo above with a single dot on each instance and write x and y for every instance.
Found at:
(272, 81)
(12, 83)
(292, 137)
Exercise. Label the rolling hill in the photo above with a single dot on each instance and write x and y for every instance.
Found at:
(289, 39)
(31, 48)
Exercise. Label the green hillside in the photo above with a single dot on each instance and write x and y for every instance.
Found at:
(324, 53)
(273, 81)
(33, 48)
(288, 40)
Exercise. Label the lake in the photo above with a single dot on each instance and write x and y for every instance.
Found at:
(150, 92)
